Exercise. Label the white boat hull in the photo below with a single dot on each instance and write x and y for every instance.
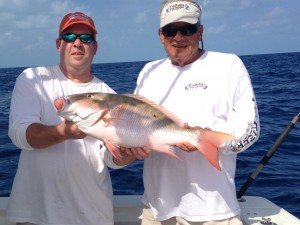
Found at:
(128, 210)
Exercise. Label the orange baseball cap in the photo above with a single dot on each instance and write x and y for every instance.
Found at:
(76, 18)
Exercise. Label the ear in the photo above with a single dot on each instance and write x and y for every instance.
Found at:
(161, 36)
(58, 45)
(200, 31)
(95, 47)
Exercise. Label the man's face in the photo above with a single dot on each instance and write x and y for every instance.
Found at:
(77, 54)
(182, 49)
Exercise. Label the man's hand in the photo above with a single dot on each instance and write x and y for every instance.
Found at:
(41, 136)
(70, 130)
(138, 153)
(186, 146)
(131, 154)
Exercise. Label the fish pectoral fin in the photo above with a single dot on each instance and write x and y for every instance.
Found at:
(169, 150)
(108, 120)
(114, 115)
(113, 148)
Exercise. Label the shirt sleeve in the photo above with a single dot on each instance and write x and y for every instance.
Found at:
(24, 109)
(140, 78)
(242, 119)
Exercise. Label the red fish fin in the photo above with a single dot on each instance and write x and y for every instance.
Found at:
(108, 120)
(167, 150)
(209, 142)
(113, 148)
(210, 152)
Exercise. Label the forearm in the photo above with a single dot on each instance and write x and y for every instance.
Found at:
(243, 119)
(42, 136)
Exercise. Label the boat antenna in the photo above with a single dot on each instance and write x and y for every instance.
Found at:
(267, 156)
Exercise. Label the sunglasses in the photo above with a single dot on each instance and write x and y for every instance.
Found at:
(186, 30)
(71, 37)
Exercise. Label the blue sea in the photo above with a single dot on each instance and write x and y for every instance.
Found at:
(276, 81)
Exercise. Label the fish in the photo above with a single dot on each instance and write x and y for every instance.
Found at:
(133, 121)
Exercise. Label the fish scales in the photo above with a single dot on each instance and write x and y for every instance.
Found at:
(133, 121)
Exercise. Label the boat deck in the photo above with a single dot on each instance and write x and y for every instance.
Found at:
(255, 211)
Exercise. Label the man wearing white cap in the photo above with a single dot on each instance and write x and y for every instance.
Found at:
(62, 176)
(206, 89)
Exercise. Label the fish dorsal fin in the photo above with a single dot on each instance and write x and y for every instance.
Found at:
(168, 113)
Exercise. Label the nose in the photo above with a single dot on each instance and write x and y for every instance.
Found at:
(178, 36)
(77, 42)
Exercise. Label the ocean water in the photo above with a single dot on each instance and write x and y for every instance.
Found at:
(276, 81)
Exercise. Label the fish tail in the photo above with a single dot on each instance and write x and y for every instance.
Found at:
(208, 143)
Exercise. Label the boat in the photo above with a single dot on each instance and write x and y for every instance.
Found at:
(255, 210)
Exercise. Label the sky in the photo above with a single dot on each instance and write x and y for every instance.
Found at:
(127, 29)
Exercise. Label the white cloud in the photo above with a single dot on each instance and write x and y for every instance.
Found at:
(216, 30)
(30, 27)
(141, 17)
(265, 21)
(32, 22)
(256, 24)
(220, 9)
(244, 4)
(275, 13)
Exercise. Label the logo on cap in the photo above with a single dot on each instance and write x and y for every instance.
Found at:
(76, 18)
(177, 7)
(80, 17)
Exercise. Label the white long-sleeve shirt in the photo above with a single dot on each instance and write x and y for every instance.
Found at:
(67, 183)
(214, 92)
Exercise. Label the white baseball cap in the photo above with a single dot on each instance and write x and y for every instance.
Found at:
(188, 11)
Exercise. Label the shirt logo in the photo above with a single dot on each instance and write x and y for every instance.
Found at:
(195, 86)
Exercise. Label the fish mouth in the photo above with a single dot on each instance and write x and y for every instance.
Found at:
(68, 108)
(61, 103)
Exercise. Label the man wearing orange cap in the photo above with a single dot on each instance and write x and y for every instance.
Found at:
(62, 176)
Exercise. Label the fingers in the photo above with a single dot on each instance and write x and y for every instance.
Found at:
(138, 153)
(80, 135)
(70, 130)
(141, 153)
(187, 147)
(185, 125)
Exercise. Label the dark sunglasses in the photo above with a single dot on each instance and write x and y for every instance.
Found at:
(186, 30)
(71, 37)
